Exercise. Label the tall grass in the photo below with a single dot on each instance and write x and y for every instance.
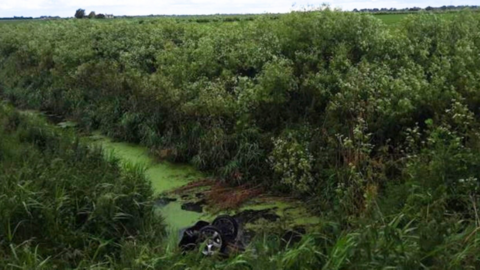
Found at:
(62, 201)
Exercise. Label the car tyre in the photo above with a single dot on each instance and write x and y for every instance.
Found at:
(211, 241)
(228, 226)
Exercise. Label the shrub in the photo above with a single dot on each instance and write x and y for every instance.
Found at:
(292, 163)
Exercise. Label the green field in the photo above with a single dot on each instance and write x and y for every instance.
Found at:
(389, 19)
(373, 130)
(393, 19)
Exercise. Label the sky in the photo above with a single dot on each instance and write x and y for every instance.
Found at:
(66, 8)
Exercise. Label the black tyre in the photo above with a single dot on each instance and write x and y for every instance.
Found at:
(228, 226)
(211, 241)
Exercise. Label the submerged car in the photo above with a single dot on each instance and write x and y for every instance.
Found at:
(213, 238)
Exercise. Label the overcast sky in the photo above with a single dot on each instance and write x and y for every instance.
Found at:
(66, 8)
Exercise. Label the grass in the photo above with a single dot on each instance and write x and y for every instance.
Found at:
(389, 19)
(62, 200)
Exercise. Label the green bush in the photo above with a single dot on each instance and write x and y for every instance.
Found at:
(292, 163)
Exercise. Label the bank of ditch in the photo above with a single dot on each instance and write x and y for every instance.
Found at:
(182, 207)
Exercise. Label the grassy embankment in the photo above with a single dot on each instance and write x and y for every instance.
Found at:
(63, 203)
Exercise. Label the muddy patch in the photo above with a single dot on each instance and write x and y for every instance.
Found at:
(194, 206)
(293, 236)
(287, 238)
(252, 216)
(164, 201)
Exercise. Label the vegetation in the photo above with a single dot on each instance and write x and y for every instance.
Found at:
(80, 13)
(92, 15)
(15, 18)
(449, 8)
(63, 202)
(377, 126)
(394, 19)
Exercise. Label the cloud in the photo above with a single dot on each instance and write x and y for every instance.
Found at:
(66, 8)
(24, 4)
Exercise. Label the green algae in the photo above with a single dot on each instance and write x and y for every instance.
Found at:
(164, 176)
(176, 218)
(267, 203)
(291, 212)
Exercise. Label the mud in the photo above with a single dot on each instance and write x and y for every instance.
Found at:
(293, 236)
(164, 201)
(252, 216)
(194, 206)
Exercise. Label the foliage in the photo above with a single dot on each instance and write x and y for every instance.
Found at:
(62, 199)
(80, 13)
(222, 96)
(378, 125)
(292, 162)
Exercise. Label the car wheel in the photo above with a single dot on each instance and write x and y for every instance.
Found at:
(211, 240)
(228, 226)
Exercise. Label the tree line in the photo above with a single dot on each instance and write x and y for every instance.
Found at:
(416, 9)
(80, 14)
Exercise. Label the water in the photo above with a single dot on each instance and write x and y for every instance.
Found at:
(166, 177)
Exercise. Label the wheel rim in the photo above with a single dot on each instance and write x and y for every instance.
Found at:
(213, 242)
